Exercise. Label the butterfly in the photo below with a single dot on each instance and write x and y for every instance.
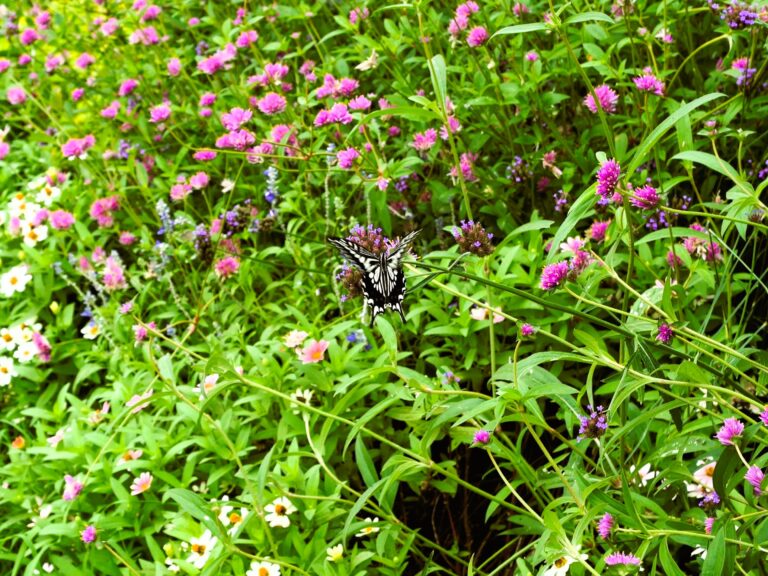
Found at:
(383, 278)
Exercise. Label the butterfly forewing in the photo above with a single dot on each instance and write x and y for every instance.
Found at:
(383, 278)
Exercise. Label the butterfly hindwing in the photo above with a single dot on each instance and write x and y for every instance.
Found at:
(383, 277)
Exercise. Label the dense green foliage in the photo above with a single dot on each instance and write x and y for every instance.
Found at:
(188, 383)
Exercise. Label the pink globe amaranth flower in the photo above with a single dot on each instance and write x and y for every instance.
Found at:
(207, 99)
(271, 103)
(61, 219)
(226, 266)
(146, 36)
(647, 82)
(235, 118)
(159, 113)
(755, 476)
(732, 428)
(193, 21)
(199, 180)
(29, 36)
(127, 86)
(151, 13)
(72, 488)
(126, 238)
(645, 197)
(174, 67)
(359, 103)
(139, 332)
(622, 558)
(43, 347)
(4, 64)
(477, 36)
(607, 179)
(665, 334)
(453, 126)
(102, 210)
(346, 158)
(313, 352)
(84, 61)
(113, 275)
(708, 524)
(673, 260)
(24, 59)
(5, 148)
(597, 231)
(77, 147)
(532, 56)
(481, 437)
(109, 27)
(423, 141)
(553, 275)
(16, 95)
(764, 416)
(606, 99)
(88, 535)
(605, 525)
(204, 155)
(247, 38)
(111, 111)
(527, 330)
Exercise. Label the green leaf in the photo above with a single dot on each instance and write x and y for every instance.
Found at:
(717, 165)
(581, 208)
(365, 463)
(521, 29)
(645, 147)
(439, 79)
(667, 562)
(165, 366)
(198, 508)
(714, 564)
(388, 334)
(589, 17)
(726, 466)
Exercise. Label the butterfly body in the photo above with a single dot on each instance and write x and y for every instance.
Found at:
(383, 277)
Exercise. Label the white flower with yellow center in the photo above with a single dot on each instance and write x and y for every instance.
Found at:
(15, 280)
(263, 568)
(229, 516)
(335, 553)
(278, 512)
(26, 352)
(370, 529)
(33, 234)
(48, 194)
(7, 370)
(7, 341)
(561, 564)
(91, 330)
(201, 549)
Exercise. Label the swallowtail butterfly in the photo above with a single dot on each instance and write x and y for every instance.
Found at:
(383, 278)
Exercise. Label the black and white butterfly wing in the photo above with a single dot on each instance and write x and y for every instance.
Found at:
(383, 278)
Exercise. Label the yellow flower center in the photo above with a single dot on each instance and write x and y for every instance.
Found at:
(263, 571)
(4, 370)
(14, 280)
(279, 509)
(7, 337)
(560, 562)
(198, 549)
(235, 518)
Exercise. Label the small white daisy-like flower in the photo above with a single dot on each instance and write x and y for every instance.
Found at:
(201, 549)
(34, 234)
(141, 484)
(335, 553)
(171, 565)
(303, 396)
(370, 529)
(7, 371)
(644, 473)
(15, 280)
(26, 352)
(91, 330)
(231, 518)
(278, 512)
(560, 565)
(48, 194)
(263, 568)
(227, 186)
(7, 340)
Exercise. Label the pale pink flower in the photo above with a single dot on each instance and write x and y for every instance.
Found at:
(139, 401)
(141, 484)
(313, 352)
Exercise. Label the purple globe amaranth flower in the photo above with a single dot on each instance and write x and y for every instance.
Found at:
(665, 334)
(755, 476)
(673, 260)
(708, 524)
(623, 559)
(597, 231)
(764, 416)
(645, 197)
(89, 534)
(477, 36)
(605, 525)
(553, 275)
(607, 179)
(347, 158)
(594, 424)
(606, 99)
(647, 82)
(732, 428)
(472, 237)
(481, 437)
(526, 330)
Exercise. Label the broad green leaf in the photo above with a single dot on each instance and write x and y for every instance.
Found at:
(521, 29)
(589, 17)
(714, 564)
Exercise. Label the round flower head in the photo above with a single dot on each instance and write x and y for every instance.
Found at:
(755, 476)
(607, 179)
(665, 334)
(606, 99)
(731, 429)
(645, 198)
(594, 424)
(472, 237)
(553, 275)
(481, 437)
(622, 558)
(708, 524)
(88, 535)
(605, 526)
